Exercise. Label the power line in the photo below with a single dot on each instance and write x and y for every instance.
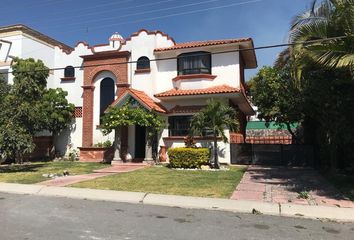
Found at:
(141, 13)
(105, 11)
(197, 54)
(160, 17)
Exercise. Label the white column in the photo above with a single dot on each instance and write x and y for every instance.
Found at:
(148, 150)
(117, 146)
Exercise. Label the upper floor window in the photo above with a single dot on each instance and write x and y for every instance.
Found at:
(69, 72)
(143, 63)
(194, 63)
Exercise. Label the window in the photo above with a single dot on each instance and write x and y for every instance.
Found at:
(69, 72)
(194, 63)
(106, 94)
(179, 125)
(143, 63)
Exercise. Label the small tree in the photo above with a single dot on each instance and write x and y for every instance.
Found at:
(114, 118)
(15, 142)
(275, 94)
(57, 111)
(27, 108)
(215, 117)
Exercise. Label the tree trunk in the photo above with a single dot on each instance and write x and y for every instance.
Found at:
(333, 156)
(293, 136)
(216, 156)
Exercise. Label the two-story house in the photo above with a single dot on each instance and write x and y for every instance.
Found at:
(173, 79)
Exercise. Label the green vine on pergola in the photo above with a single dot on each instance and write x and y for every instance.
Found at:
(128, 115)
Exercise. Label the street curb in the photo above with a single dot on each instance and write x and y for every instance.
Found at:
(288, 210)
(212, 204)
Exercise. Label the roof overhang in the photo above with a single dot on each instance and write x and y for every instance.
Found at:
(149, 105)
(238, 99)
(27, 30)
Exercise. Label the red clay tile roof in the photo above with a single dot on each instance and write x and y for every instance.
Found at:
(203, 44)
(185, 109)
(210, 90)
(143, 98)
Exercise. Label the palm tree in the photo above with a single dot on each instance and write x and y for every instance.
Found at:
(328, 19)
(215, 117)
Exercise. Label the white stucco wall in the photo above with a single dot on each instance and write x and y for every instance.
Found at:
(140, 46)
(225, 67)
(71, 136)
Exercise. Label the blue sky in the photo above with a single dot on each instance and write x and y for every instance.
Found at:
(70, 21)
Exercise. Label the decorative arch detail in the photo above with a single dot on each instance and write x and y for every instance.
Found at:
(114, 62)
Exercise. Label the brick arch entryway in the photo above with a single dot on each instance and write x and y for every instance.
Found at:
(114, 62)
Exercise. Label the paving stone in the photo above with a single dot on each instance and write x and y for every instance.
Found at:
(247, 195)
(281, 184)
(254, 187)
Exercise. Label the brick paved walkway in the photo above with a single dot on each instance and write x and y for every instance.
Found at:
(65, 181)
(283, 185)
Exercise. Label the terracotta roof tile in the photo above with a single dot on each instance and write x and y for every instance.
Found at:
(210, 90)
(203, 44)
(143, 98)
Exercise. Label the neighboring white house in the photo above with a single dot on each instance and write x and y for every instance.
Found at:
(172, 79)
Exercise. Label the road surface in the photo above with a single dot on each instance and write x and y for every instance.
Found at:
(48, 218)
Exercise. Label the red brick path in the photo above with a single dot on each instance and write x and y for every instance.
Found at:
(283, 185)
(64, 181)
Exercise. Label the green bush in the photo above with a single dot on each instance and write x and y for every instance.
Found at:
(105, 144)
(188, 157)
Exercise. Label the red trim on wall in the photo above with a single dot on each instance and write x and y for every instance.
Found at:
(147, 70)
(193, 76)
(106, 55)
(68, 78)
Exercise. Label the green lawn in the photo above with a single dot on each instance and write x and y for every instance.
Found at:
(169, 181)
(343, 183)
(32, 173)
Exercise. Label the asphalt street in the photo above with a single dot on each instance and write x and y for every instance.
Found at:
(51, 218)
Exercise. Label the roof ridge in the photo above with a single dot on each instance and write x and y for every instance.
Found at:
(224, 88)
(211, 40)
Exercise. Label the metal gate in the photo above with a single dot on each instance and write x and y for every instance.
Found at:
(272, 154)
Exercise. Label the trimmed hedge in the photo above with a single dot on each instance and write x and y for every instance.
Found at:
(188, 157)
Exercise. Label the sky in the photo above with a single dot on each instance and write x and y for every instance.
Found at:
(94, 21)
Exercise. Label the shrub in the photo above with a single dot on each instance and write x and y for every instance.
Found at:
(188, 157)
(72, 155)
(105, 144)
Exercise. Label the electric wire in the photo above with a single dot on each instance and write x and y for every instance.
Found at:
(197, 54)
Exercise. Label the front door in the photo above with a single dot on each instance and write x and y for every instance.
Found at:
(140, 136)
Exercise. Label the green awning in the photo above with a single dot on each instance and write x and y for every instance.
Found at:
(252, 125)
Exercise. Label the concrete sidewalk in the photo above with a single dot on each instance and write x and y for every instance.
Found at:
(277, 209)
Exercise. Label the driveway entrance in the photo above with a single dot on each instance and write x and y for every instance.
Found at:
(286, 185)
